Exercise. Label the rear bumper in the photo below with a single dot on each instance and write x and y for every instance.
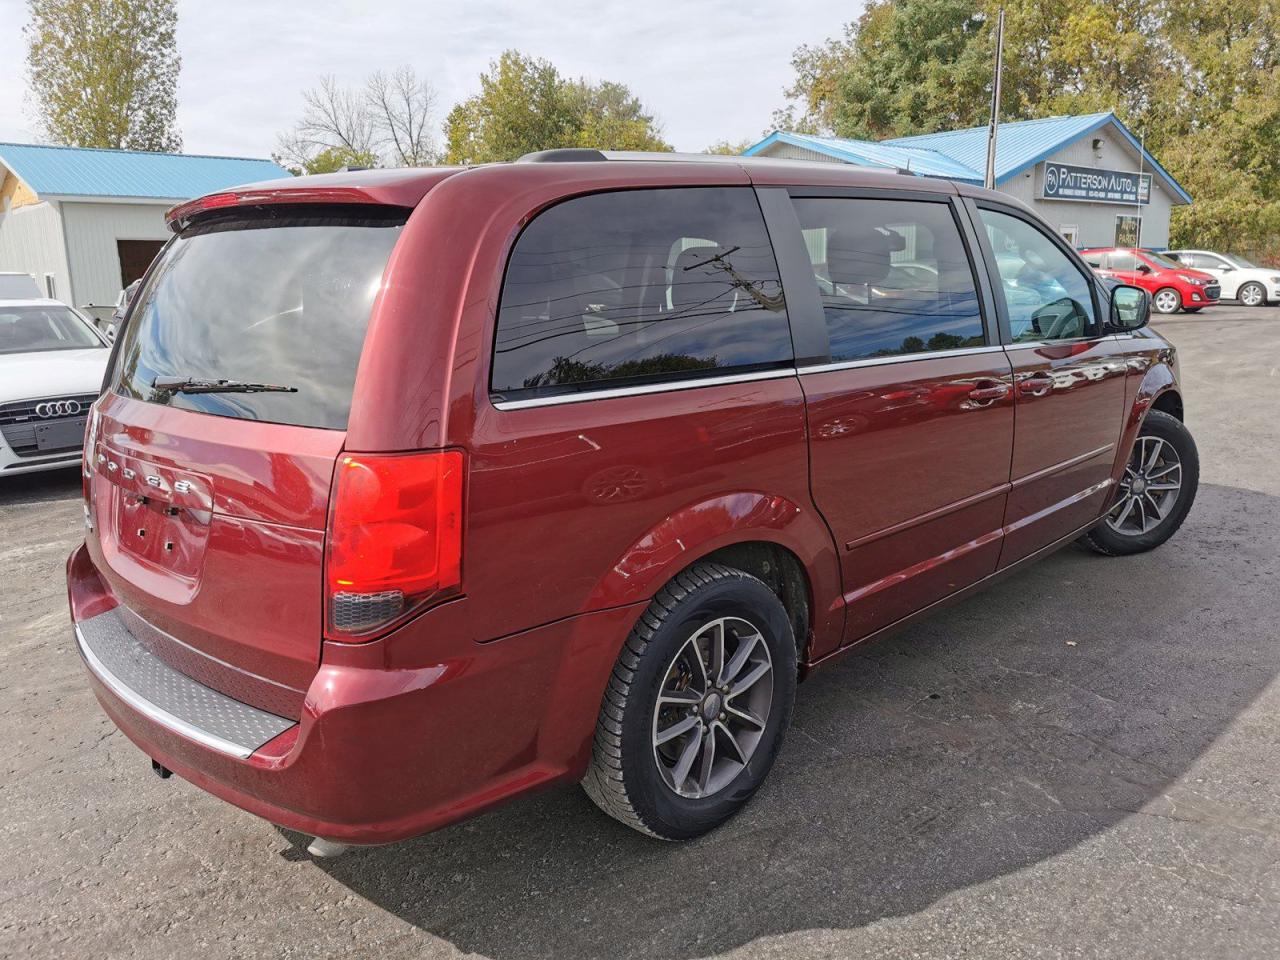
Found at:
(380, 753)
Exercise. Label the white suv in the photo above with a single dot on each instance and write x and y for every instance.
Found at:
(1252, 285)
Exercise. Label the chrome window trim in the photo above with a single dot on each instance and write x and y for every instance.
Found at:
(153, 712)
(899, 358)
(638, 390)
(1020, 344)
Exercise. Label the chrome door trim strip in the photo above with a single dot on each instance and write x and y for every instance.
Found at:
(154, 713)
(901, 358)
(936, 514)
(1043, 472)
(644, 389)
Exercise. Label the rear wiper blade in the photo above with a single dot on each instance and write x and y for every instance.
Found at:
(196, 385)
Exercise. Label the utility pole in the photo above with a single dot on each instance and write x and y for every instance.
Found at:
(990, 180)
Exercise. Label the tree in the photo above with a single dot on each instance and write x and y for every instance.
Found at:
(524, 104)
(104, 73)
(903, 67)
(386, 122)
(730, 147)
(1199, 80)
(403, 106)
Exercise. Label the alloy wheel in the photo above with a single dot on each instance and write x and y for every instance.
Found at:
(712, 707)
(1149, 489)
(1167, 301)
(1251, 295)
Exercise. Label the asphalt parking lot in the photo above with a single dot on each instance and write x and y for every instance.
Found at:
(1081, 762)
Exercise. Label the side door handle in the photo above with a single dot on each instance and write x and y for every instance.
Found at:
(994, 390)
(1036, 385)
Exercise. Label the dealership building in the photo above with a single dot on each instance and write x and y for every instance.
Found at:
(1087, 176)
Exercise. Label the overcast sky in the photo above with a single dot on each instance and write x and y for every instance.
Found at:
(709, 69)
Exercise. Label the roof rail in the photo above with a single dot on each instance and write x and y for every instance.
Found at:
(563, 155)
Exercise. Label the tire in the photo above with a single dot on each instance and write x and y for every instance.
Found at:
(1166, 300)
(633, 777)
(1252, 295)
(1138, 528)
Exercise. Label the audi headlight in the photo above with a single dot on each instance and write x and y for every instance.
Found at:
(1194, 281)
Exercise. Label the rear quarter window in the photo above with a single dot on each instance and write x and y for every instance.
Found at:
(280, 296)
(638, 287)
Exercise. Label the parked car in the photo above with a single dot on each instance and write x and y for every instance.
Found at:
(1252, 285)
(52, 360)
(19, 286)
(123, 300)
(1173, 285)
(471, 481)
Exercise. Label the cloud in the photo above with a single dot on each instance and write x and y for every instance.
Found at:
(709, 70)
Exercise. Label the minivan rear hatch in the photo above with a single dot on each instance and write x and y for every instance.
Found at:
(214, 446)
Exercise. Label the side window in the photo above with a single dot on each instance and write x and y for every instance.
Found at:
(893, 276)
(1122, 260)
(1047, 296)
(639, 286)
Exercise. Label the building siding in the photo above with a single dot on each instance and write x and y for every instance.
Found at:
(1096, 221)
(92, 230)
(31, 242)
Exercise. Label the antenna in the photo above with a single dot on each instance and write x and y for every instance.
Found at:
(1137, 187)
(990, 180)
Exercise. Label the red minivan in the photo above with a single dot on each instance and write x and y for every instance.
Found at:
(1173, 286)
(410, 491)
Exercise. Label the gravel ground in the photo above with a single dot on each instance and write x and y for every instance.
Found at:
(1080, 762)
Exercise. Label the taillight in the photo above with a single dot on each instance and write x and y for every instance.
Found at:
(87, 465)
(395, 538)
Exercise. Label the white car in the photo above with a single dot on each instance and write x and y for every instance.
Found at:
(1252, 285)
(15, 285)
(52, 361)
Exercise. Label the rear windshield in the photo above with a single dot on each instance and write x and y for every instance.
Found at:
(278, 297)
(38, 329)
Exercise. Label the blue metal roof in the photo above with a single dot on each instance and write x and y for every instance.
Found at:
(82, 172)
(962, 154)
(922, 161)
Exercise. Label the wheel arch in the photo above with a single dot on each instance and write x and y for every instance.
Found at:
(782, 543)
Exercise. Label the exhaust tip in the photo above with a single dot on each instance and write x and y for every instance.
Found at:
(320, 847)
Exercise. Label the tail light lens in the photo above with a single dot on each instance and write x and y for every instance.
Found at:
(395, 539)
(87, 465)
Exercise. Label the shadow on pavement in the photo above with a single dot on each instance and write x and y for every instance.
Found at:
(1002, 732)
(43, 487)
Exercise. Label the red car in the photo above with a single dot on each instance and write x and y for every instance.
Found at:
(411, 491)
(1173, 286)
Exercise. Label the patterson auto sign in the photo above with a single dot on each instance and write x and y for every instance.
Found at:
(1061, 181)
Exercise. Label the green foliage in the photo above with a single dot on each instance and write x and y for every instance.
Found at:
(729, 147)
(104, 73)
(524, 104)
(332, 159)
(1199, 79)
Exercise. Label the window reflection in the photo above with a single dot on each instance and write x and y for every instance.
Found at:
(269, 299)
(893, 276)
(639, 285)
(1047, 296)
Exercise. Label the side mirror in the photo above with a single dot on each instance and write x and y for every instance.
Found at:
(1227, 268)
(1143, 268)
(1130, 308)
